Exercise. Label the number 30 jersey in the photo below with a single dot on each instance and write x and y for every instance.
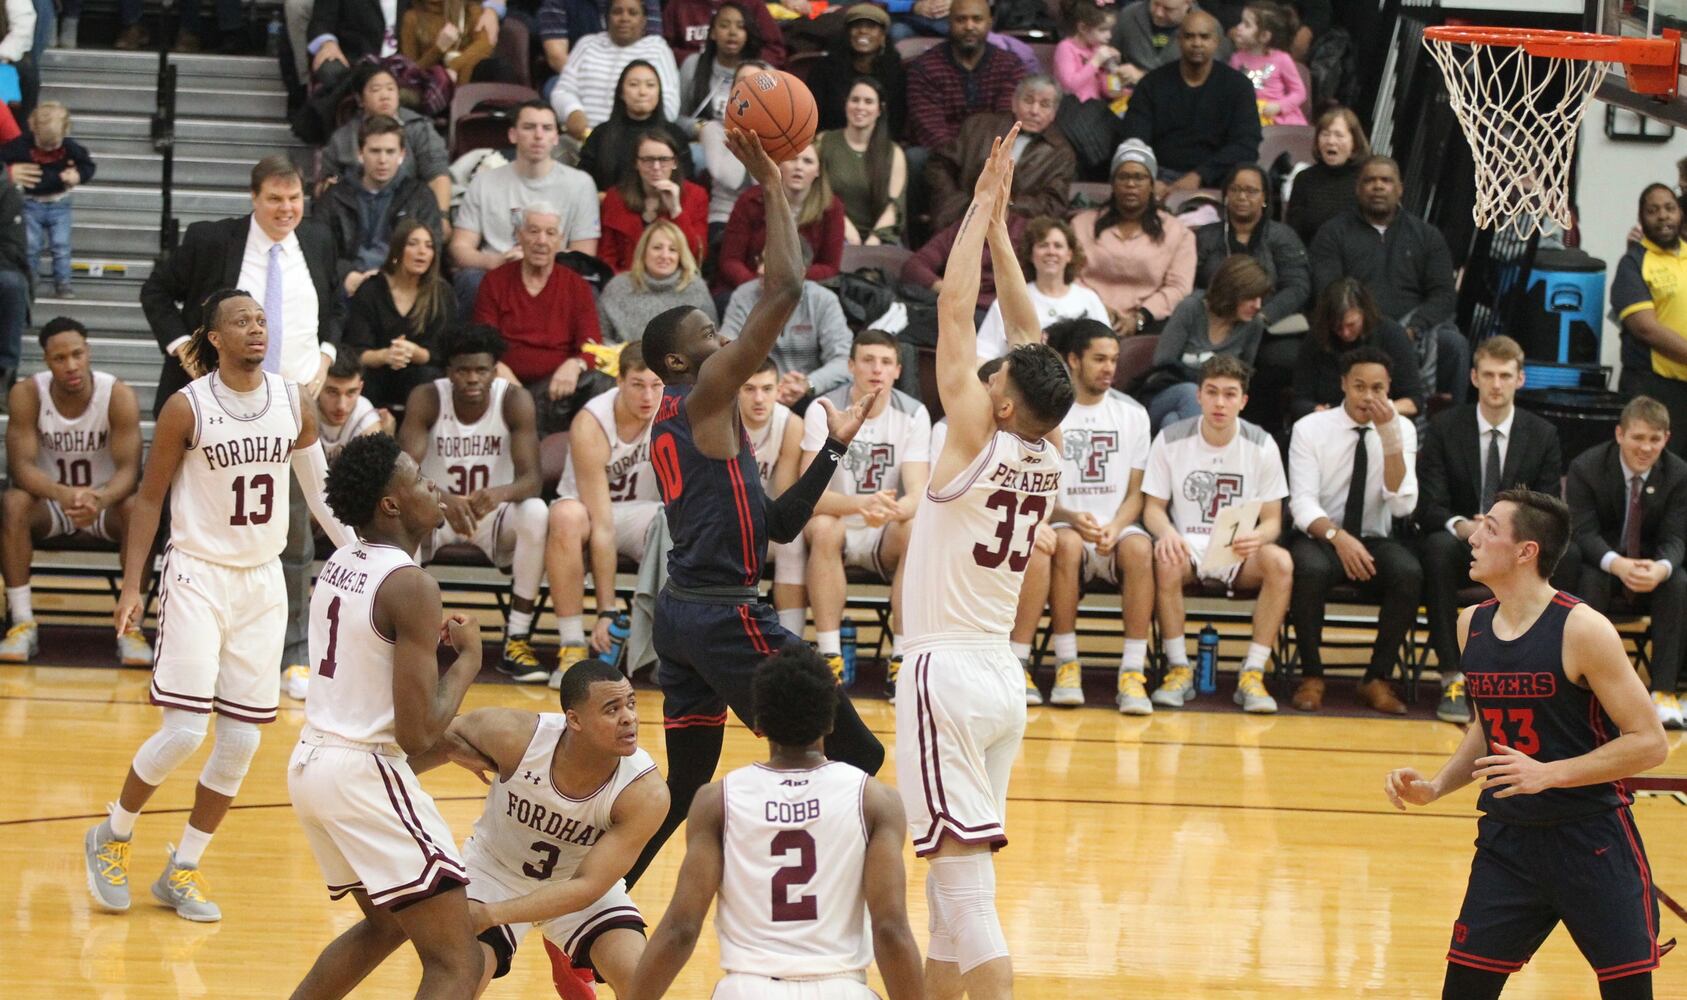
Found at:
(228, 503)
(350, 660)
(792, 903)
(972, 539)
(462, 457)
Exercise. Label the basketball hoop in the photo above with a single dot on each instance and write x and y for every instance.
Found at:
(1520, 94)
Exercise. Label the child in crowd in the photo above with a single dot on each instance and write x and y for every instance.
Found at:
(61, 163)
(1266, 27)
(1086, 64)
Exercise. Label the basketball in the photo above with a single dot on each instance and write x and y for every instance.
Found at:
(777, 107)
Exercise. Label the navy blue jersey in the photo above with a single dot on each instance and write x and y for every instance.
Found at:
(1524, 700)
(716, 509)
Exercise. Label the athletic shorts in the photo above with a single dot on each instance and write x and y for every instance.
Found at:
(369, 822)
(861, 549)
(60, 525)
(220, 631)
(706, 654)
(573, 934)
(490, 537)
(744, 986)
(1590, 874)
(960, 717)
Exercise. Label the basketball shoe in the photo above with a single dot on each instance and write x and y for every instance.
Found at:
(1178, 689)
(295, 680)
(520, 664)
(566, 657)
(1068, 688)
(1669, 710)
(1032, 695)
(893, 670)
(107, 861)
(1133, 694)
(182, 888)
(1251, 693)
(133, 650)
(21, 643)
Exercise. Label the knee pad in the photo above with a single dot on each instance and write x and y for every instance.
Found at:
(964, 896)
(789, 560)
(942, 945)
(231, 754)
(175, 741)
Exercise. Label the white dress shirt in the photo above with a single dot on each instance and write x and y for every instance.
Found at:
(1321, 451)
(300, 349)
(1612, 556)
(1483, 431)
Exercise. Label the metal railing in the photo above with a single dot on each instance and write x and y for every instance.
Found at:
(164, 143)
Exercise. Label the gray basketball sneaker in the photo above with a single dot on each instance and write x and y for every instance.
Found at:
(182, 889)
(107, 861)
(1251, 693)
(1178, 689)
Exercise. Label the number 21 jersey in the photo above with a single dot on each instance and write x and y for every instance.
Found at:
(463, 457)
(228, 502)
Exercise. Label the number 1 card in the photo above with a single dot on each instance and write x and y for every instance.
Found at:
(1232, 521)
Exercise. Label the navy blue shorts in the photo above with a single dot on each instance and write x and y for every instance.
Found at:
(706, 655)
(1589, 873)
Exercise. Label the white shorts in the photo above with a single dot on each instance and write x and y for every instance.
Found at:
(861, 549)
(492, 536)
(1099, 567)
(744, 986)
(59, 524)
(220, 632)
(369, 823)
(572, 934)
(960, 717)
(632, 526)
(790, 560)
(1226, 576)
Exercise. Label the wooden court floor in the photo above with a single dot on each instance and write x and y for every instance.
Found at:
(1188, 855)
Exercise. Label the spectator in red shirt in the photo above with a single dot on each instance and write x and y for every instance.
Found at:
(820, 223)
(647, 192)
(959, 77)
(546, 315)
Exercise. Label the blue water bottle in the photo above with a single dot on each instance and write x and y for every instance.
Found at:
(619, 627)
(1206, 661)
(846, 645)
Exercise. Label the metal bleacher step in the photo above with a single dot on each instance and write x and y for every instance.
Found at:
(146, 168)
(205, 202)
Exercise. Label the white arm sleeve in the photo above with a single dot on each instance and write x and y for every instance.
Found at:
(311, 466)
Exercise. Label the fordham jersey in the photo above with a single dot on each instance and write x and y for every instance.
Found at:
(228, 503)
(363, 416)
(899, 434)
(716, 509)
(1102, 443)
(791, 903)
(529, 829)
(1523, 700)
(767, 442)
(464, 458)
(630, 474)
(75, 451)
(351, 661)
(1198, 480)
(972, 538)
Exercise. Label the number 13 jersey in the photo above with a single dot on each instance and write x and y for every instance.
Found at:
(463, 457)
(228, 503)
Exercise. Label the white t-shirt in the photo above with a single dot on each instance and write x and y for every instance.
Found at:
(493, 204)
(1102, 444)
(901, 433)
(1079, 302)
(334, 438)
(767, 441)
(1200, 480)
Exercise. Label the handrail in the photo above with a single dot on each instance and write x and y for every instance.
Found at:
(164, 144)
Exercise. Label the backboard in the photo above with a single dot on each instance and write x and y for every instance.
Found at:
(1640, 19)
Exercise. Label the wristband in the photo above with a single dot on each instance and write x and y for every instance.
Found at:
(1389, 435)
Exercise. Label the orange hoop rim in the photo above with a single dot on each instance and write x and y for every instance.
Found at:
(1551, 44)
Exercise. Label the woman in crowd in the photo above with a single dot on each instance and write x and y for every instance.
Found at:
(609, 152)
(447, 33)
(863, 50)
(424, 151)
(1327, 188)
(648, 192)
(1050, 252)
(586, 91)
(1138, 258)
(396, 319)
(867, 169)
(1247, 227)
(1346, 317)
(706, 76)
(1224, 319)
(663, 275)
(820, 223)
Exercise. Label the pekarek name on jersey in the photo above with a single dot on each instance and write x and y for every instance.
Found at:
(1026, 481)
(247, 450)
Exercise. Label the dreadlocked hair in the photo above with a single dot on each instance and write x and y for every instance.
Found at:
(198, 356)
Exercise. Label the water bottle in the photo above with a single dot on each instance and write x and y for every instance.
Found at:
(272, 36)
(1206, 661)
(846, 645)
(619, 627)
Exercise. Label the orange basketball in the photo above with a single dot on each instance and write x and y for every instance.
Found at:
(777, 107)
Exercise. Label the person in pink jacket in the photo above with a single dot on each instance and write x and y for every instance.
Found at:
(1086, 64)
(1266, 27)
(1139, 258)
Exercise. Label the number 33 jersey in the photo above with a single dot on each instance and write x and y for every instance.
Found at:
(228, 503)
(792, 903)
(972, 538)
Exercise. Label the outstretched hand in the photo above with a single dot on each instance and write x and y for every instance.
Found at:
(998, 166)
(842, 424)
(747, 147)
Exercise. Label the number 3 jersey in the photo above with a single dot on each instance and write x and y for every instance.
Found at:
(351, 661)
(228, 503)
(75, 451)
(792, 902)
(463, 457)
(1198, 480)
(528, 828)
(971, 540)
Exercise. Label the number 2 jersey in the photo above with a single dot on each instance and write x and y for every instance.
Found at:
(228, 502)
(1524, 700)
(971, 540)
(630, 475)
(792, 903)
(464, 457)
(75, 451)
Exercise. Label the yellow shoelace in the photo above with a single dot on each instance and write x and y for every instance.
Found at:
(113, 858)
(1133, 684)
(835, 662)
(22, 628)
(189, 884)
(891, 671)
(1251, 682)
(1666, 699)
(521, 652)
(1070, 675)
(1455, 690)
(1178, 677)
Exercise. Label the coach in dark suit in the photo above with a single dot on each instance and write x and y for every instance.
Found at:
(1628, 511)
(287, 265)
(1457, 480)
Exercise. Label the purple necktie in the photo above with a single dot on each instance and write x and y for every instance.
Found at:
(272, 311)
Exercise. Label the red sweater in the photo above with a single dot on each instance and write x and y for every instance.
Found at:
(746, 236)
(540, 331)
(622, 226)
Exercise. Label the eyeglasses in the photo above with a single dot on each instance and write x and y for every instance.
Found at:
(655, 161)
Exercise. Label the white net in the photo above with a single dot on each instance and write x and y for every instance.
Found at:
(1520, 113)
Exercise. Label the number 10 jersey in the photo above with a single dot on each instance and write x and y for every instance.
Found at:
(228, 503)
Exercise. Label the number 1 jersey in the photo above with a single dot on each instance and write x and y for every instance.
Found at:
(228, 502)
(351, 661)
(464, 458)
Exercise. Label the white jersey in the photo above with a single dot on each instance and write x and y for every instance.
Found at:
(1079, 302)
(766, 442)
(75, 451)
(971, 540)
(464, 458)
(1199, 480)
(791, 901)
(901, 433)
(631, 476)
(333, 438)
(228, 502)
(529, 829)
(1103, 443)
(350, 660)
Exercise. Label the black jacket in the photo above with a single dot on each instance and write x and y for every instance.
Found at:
(357, 24)
(1408, 269)
(208, 260)
(1598, 499)
(14, 241)
(337, 209)
(1276, 248)
(1207, 129)
(1450, 467)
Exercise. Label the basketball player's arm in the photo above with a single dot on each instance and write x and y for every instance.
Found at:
(170, 439)
(524, 455)
(124, 414)
(22, 445)
(1594, 656)
(310, 465)
(726, 370)
(589, 452)
(634, 818)
(1405, 786)
(1019, 315)
(913, 478)
(787, 515)
(675, 937)
(790, 459)
(1169, 546)
(1129, 512)
(486, 739)
(423, 701)
(885, 884)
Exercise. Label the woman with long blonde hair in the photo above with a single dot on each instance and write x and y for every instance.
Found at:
(663, 275)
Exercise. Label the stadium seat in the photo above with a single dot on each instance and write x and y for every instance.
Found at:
(1295, 140)
(1045, 55)
(1136, 357)
(888, 259)
(467, 124)
(514, 45)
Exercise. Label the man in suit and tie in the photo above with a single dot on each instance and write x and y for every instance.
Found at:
(286, 263)
(1628, 510)
(1470, 453)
